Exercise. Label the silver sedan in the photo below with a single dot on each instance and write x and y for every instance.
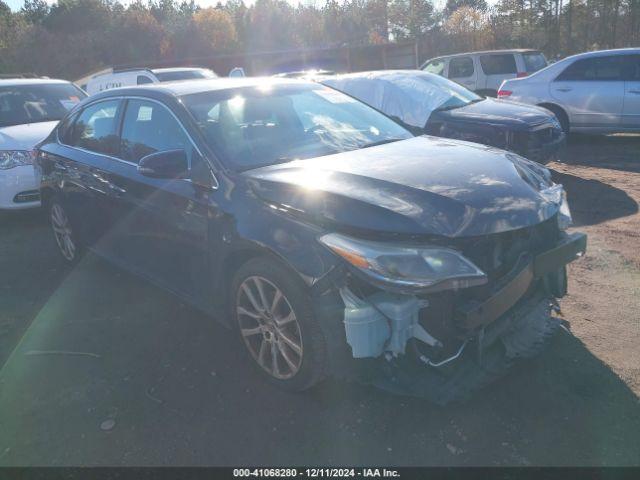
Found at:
(594, 92)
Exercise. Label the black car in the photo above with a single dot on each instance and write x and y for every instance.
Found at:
(428, 103)
(331, 239)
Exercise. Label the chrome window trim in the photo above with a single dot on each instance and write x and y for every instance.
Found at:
(215, 185)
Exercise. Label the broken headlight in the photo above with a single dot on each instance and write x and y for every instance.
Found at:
(15, 158)
(435, 268)
(557, 195)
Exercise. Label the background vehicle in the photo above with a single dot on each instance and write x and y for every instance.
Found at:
(305, 73)
(595, 92)
(430, 104)
(114, 78)
(29, 110)
(483, 72)
(317, 259)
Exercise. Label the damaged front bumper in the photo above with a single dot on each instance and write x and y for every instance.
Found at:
(384, 328)
(516, 283)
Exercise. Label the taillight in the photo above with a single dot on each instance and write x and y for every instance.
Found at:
(504, 93)
(521, 74)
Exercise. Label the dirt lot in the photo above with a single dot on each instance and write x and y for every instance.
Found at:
(153, 382)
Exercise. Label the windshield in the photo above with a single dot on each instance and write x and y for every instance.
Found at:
(410, 96)
(20, 104)
(254, 127)
(175, 75)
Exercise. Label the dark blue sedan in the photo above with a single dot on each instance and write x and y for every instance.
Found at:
(428, 103)
(328, 237)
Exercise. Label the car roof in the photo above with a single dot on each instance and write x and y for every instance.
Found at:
(382, 73)
(10, 82)
(597, 53)
(483, 52)
(176, 69)
(187, 87)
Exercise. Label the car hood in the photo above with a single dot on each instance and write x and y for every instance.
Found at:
(24, 137)
(421, 186)
(498, 112)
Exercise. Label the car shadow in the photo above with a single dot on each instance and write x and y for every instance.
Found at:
(113, 371)
(22, 218)
(615, 152)
(592, 201)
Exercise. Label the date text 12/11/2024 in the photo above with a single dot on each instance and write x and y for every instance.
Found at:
(316, 473)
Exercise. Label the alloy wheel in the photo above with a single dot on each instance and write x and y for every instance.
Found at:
(62, 231)
(269, 327)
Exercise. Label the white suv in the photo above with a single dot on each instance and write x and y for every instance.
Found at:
(594, 92)
(114, 78)
(483, 72)
(29, 110)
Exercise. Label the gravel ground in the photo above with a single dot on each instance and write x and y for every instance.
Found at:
(100, 368)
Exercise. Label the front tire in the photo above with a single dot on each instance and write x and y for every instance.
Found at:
(275, 321)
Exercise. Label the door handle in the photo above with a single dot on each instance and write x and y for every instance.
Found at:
(564, 89)
(60, 167)
(637, 92)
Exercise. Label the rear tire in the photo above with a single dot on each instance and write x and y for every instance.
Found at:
(274, 318)
(63, 232)
(561, 115)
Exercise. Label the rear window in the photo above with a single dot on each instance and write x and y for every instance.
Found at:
(534, 61)
(498, 64)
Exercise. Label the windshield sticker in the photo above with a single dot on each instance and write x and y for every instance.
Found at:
(69, 103)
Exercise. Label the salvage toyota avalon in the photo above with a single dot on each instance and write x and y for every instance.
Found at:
(332, 240)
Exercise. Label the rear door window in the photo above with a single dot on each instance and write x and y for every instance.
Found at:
(149, 127)
(96, 128)
(498, 64)
(435, 66)
(597, 69)
(460, 67)
(534, 61)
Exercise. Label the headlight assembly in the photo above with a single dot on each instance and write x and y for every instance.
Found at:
(15, 158)
(557, 195)
(433, 268)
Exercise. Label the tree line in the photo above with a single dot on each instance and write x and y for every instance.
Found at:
(73, 37)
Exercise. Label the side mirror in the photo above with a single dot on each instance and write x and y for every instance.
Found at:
(166, 164)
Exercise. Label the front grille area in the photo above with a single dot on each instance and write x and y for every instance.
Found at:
(532, 144)
(27, 196)
(497, 255)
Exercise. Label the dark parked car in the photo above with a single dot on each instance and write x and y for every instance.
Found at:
(428, 103)
(326, 235)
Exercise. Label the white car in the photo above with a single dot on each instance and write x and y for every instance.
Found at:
(483, 72)
(115, 78)
(29, 111)
(595, 92)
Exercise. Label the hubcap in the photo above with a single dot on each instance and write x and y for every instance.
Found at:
(62, 232)
(269, 327)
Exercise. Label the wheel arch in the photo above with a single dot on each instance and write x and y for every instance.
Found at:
(558, 110)
(46, 194)
(233, 260)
